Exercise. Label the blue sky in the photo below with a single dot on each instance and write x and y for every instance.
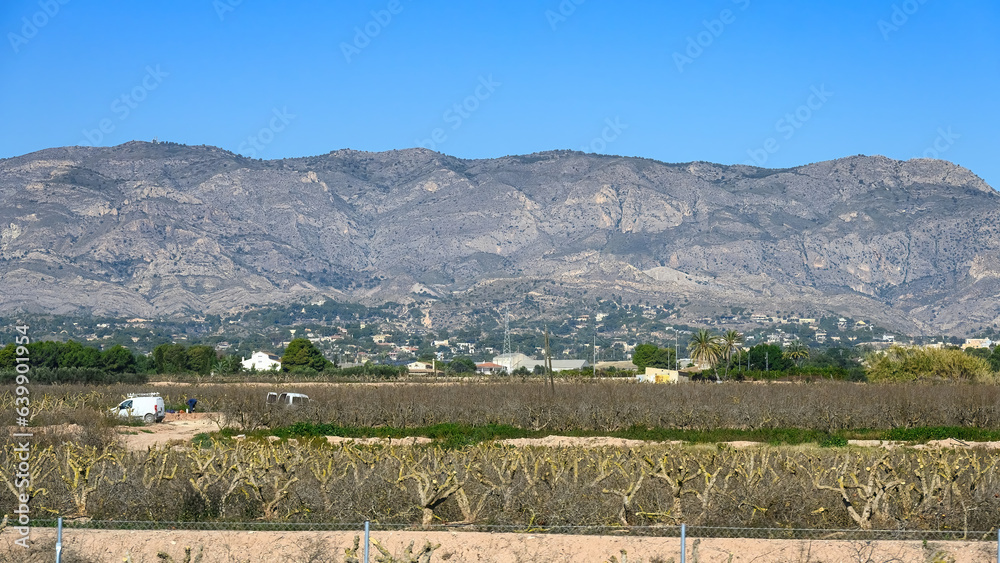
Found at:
(732, 81)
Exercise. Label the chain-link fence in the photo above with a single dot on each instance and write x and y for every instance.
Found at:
(688, 538)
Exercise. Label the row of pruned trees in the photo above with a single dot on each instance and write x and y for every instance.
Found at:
(492, 484)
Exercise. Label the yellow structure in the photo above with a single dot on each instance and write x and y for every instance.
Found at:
(658, 375)
(976, 343)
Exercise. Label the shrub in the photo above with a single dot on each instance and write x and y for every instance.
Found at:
(900, 364)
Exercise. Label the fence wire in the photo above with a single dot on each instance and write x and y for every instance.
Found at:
(651, 531)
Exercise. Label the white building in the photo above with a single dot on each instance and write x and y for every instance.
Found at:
(262, 361)
(489, 368)
(420, 367)
(512, 362)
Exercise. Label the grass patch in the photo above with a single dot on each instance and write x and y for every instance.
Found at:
(449, 435)
(203, 440)
(923, 434)
(457, 435)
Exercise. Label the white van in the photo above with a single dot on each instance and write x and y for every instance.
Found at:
(287, 399)
(147, 406)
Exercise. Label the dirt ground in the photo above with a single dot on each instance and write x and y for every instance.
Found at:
(253, 547)
(182, 427)
(176, 428)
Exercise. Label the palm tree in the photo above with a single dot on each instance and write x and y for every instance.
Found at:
(797, 351)
(705, 349)
(731, 341)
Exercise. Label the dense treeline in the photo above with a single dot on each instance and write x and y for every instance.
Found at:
(72, 354)
(72, 362)
(726, 358)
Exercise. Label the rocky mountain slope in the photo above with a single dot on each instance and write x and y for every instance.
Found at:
(145, 229)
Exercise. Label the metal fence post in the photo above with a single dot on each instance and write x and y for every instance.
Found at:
(59, 540)
(998, 544)
(367, 526)
(683, 547)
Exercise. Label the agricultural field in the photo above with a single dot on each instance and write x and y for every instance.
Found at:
(610, 454)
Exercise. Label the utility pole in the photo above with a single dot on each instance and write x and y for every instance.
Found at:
(548, 362)
(506, 330)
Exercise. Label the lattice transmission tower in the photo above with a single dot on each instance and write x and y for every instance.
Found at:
(506, 331)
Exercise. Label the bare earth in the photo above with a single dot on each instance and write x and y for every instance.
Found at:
(182, 427)
(252, 547)
(176, 428)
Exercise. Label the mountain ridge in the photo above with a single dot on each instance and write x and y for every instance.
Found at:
(145, 229)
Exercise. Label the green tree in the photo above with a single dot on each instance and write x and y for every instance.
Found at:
(201, 359)
(730, 343)
(301, 353)
(908, 364)
(797, 351)
(76, 355)
(45, 354)
(644, 355)
(230, 365)
(994, 358)
(144, 363)
(705, 349)
(8, 357)
(170, 358)
(650, 355)
(118, 359)
(768, 357)
(462, 364)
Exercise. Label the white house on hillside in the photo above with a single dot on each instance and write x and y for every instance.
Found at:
(262, 361)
